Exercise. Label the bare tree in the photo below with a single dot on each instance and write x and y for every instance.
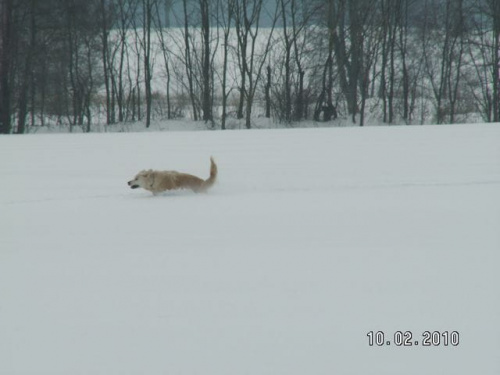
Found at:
(188, 62)
(299, 28)
(206, 71)
(346, 21)
(5, 43)
(289, 95)
(161, 30)
(136, 94)
(105, 24)
(81, 31)
(146, 45)
(389, 20)
(332, 15)
(288, 39)
(457, 49)
(247, 18)
(126, 14)
(370, 52)
(403, 24)
(443, 55)
(483, 51)
(225, 17)
(243, 22)
(267, 91)
(494, 12)
(24, 64)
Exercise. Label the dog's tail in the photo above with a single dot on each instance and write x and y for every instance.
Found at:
(213, 176)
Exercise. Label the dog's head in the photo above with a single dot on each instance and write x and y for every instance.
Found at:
(141, 180)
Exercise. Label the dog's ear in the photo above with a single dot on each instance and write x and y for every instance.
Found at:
(150, 176)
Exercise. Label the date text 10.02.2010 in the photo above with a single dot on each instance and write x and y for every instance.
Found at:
(407, 338)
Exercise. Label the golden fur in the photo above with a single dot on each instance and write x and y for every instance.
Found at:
(159, 181)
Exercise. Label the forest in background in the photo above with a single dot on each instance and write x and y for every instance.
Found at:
(82, 62)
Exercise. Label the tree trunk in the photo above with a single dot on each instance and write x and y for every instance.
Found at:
(242, 56)
(286, 115)
(188, 63)
(268, 93)
(227, 30)
(206, 71)
(104, 38)
(33, 46)
(5, 18)
(147, 59)
(403, 30)
(22, 103)
(495, 14)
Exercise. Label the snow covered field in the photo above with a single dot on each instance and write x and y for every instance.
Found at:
(310, 239)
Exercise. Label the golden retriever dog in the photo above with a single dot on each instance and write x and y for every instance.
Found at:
(160, 181)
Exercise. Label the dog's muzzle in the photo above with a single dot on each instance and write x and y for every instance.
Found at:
(132, 185)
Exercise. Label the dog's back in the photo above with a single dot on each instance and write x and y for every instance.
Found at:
(198, 185)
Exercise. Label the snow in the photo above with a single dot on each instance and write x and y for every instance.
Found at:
(310, 239)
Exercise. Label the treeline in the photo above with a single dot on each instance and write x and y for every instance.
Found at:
(82, 62)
